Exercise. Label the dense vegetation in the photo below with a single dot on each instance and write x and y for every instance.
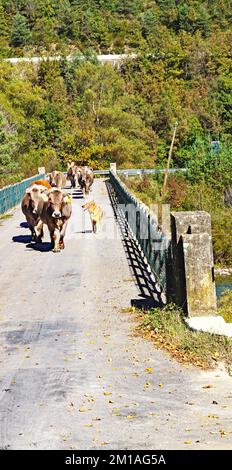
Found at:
(106, 25)
(80, 109)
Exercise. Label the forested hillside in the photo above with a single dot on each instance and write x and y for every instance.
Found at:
(96, 114)
(106, 25)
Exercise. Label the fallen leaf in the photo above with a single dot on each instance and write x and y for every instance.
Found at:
(149, 370)
(147, 385)
(223, 433)
(107, 394)
(88, 425)
(188, 442)
(161, 385)
(207, 386)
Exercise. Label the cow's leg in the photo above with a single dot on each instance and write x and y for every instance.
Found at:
(62, 235)
(56, 239)
(39, 231)
(33, 234)
(51, 229)
(94, 225)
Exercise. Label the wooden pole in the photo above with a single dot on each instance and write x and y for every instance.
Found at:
(169, 160)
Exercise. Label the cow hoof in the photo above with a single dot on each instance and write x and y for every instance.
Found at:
(39, 240)
(56, 250)
(62, 246)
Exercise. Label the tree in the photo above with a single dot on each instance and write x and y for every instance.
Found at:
(3, 31)
(8, 141)
(20, 33)
(3, 22)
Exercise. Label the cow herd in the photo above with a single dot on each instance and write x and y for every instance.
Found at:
(80, 175)
(45, 202)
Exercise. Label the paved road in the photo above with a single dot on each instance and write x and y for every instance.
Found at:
(102, 58)
(72, 374)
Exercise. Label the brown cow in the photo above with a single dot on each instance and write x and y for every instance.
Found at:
(85, 179)
(55, 210)
(57, 179)
(33, 195)
(73, 174)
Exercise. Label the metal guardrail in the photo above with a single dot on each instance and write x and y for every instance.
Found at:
(139, 171)
(11, 195)
(144, 228)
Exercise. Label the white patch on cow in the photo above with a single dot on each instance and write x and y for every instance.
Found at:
(44, 197)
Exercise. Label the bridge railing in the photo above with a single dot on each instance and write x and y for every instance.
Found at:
(145, 229)
(11, 195)
(139, 171)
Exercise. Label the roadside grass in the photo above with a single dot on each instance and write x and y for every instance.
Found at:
(5, 216)
(225, 306)
(166, 328)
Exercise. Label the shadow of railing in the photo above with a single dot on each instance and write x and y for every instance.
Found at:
(150, 292)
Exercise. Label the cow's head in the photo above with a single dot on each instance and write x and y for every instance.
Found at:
(52, 178)
(57, 203)
(33, 196)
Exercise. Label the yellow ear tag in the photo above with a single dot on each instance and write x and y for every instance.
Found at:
(68, 199)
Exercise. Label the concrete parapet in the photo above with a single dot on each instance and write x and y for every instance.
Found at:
(199, 278)
(192, 284)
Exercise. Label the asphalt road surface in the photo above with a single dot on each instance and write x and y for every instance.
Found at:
(72, 373)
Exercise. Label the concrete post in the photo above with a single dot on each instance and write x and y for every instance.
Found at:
(113, 167)
(193, 284)
(161, 213)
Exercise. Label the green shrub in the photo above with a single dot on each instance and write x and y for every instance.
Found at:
(221, 234)
(225, 306)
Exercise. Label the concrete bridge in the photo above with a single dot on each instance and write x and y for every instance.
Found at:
(73, 374)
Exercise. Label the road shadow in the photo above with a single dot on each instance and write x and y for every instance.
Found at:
(23, 225)
(85, 231)
(21, 239)
(150, 292)
(42, 247)
(77, 194)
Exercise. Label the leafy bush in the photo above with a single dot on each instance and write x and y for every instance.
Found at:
(221, 233)
(225, 306)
